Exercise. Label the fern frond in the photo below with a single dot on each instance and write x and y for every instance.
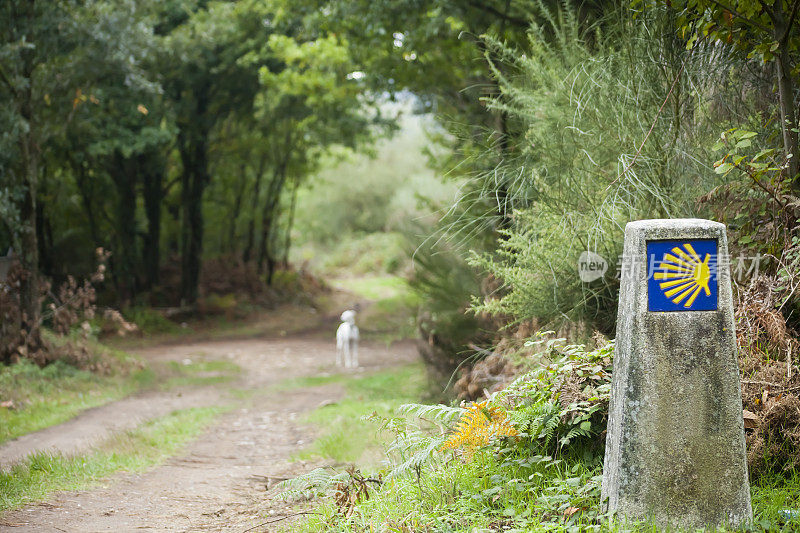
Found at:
(440, 414)
(418, 459)
(314, 483)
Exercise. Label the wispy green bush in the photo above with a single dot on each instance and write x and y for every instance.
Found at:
(616, 127)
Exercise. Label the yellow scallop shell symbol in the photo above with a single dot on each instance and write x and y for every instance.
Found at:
(684, 275)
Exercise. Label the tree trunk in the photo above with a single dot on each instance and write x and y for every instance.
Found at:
(287, 239)
(268, 216)
(29, 254)
(263, 242)
(237, 206)
(193, 148)
(153, 177)
(124, 172)
(266, 254)
(783, 69)
(251, 224)
(193, 180)
(84, 186)
(44, 237)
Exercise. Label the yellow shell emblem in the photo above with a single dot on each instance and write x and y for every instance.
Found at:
(684, 275)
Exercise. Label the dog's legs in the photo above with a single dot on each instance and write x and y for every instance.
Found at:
(338, 354)
(354, 357)
(346, 350)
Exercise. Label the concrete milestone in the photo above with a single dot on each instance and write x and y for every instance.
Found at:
(675, 449)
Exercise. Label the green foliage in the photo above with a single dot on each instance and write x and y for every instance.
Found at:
(769, 32)
(150, 321)
(317, 482)
(362, 254)
(586, 163)
(144, 127)
(546, 479)
(414, 446)
(759, 192)
(563, 403)
(354, 215)
(445, 283)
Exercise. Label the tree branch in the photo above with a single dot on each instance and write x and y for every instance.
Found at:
(792, 15)
(767, 9)
(499, 14)
(732, 11)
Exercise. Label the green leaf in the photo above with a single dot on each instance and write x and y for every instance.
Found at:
(724, 168)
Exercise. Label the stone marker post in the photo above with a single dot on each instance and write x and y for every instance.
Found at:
(675, 449)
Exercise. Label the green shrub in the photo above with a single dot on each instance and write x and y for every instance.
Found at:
(371, 254)
(445, 283)
(599, 148)
(564, 403)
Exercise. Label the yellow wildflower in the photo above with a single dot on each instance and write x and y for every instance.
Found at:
(478, 425)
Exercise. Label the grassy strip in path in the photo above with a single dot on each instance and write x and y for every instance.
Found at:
(345, 437)
(151, 443)
(200, 373)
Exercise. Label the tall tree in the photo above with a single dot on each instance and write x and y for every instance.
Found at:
(35, 38)
(206, 79)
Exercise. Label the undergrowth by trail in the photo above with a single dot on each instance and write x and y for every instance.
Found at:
(132, 451)
(528, 459)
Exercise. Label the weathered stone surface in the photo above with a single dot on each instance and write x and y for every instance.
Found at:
(675, 451)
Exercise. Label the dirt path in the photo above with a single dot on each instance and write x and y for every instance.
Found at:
(219, 481)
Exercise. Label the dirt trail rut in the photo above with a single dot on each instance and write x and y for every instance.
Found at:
(218, 482)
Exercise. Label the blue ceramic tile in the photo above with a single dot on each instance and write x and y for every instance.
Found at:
(682, 275)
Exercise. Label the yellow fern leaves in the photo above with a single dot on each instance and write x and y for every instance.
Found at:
(477, 426)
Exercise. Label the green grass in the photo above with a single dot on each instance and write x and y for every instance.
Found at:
(150, 322)
(773, 494)
(487, 493)
(136, 450)
(345, 437)
(312, 381)
(375, 287)
(43, 397)
(201, 373)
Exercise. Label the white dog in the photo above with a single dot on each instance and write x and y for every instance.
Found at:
(347, 341)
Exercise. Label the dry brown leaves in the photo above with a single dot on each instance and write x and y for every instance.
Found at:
(349, 493)
(770, 386)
